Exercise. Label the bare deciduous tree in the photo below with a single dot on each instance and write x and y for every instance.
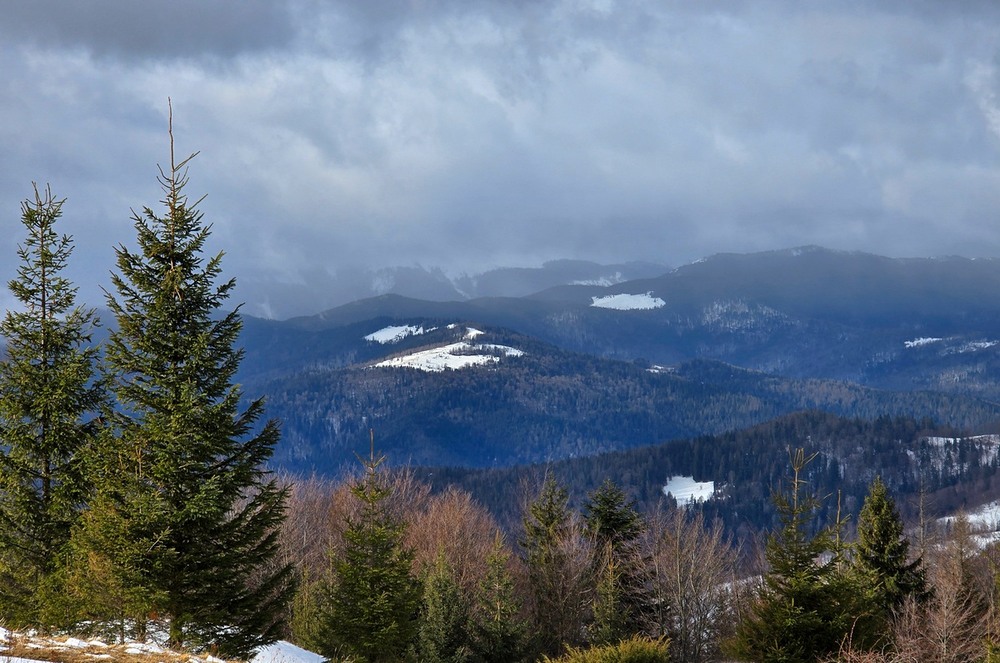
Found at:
(691, 566)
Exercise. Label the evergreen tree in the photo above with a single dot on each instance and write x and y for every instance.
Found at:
(611, 518)
(807, 609)
(444, 618)
(370, 605)
(881, 555)
(499, 632)
(621, 595)
(49, 398)
(613, 615)
(559, 569)
(185, 515)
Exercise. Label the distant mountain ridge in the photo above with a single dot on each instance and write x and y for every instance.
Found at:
(805, 312)
(725, 342)
(328, 289)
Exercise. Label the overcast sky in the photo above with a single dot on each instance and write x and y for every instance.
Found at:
(469, 134)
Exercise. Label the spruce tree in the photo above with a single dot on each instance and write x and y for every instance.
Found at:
(499, 631)
(49, 398)
(614, 618)
(807, 609)
(560, 569)
(443, 635)
(186, 516)
(611, 518)
(370, 604)
(881, 553)
(621, 595)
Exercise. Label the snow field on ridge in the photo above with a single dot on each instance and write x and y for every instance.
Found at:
(626, 302)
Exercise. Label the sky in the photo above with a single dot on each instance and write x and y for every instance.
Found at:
(471, 134)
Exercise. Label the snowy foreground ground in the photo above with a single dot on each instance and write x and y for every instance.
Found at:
(279, 652)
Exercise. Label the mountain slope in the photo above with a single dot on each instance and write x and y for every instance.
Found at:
(800, 313)
(516, 399)
(744, 467)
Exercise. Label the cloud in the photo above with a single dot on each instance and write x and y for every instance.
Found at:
(473, 134)
(125, 30)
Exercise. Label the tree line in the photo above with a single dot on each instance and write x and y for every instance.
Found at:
(134, 498)
(394, 571)
(135, 502)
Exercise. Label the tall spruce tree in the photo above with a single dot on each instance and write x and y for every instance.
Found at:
(185, 518)
(807, 608)
(882, 567)
(499, 631)
(49, 399)
(621, 594)
(444, 631)
(881, 553)
(369, 607)
(560, 569)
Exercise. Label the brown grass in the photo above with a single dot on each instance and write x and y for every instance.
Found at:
(56, 650)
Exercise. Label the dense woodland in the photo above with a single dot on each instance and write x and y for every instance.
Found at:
(940, 476)
(551, 404)
(136, 502)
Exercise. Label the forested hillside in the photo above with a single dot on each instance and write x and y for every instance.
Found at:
(924, 465)
(546, 404)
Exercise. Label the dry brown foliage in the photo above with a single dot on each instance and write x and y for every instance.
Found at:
(454, 524)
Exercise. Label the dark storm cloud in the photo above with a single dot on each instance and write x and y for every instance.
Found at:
(127, 29)
(473, 134)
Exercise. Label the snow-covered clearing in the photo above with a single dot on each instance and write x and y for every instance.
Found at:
(57, 648)
(396, 334)
(624, 302)
(451, 357)
(686, 490)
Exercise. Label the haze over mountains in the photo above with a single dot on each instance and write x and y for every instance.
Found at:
(576, 368)
(325, 289)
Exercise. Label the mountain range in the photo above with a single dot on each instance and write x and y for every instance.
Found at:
(581, 368)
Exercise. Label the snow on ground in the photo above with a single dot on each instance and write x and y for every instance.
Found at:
(604, 281)
(396, 334)
(920, 342)
(451, 357)
(984, 521)
(285, 652)
(279, 652)
(975, 346)
(686, 490)
(626, 302)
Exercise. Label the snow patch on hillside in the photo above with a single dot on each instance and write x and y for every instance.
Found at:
(625, 302)
(686, 490)
(974, 346)
(946, 454)
(984, 522)
(920, 342)
(604, 281)
(396, 334)
(451, 357)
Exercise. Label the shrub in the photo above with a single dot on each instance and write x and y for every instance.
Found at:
(637, 649)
